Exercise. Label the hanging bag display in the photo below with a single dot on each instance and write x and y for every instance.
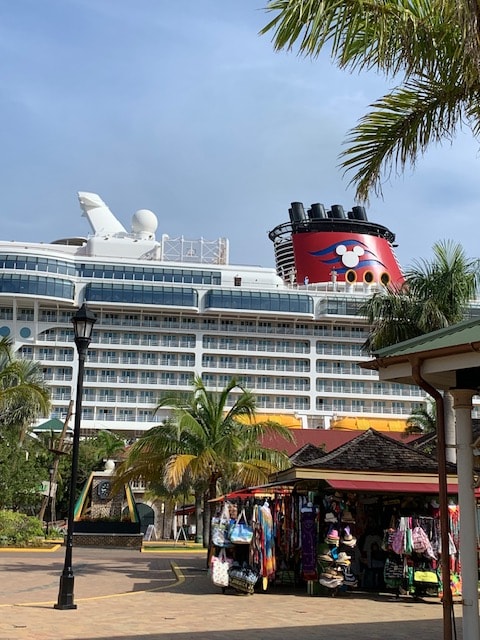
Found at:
(220, 528)
(425, 578)
(241, 532)
(420, 540)
(219, 567)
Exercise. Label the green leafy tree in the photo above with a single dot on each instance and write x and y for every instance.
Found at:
(107, 445)
(435, 294)
(422, 420)
(22, 470)
(430, 48)
(24, 396)
(211, 437)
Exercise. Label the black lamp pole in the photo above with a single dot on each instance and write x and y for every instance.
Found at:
(83, 322)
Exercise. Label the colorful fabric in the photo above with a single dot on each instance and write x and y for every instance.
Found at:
(309, 543)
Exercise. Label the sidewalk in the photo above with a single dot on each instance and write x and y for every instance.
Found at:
(128, 595)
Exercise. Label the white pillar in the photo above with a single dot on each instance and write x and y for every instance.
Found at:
(462, 399)
(450, 437)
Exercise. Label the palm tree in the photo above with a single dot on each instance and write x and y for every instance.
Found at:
(422, 420)
(24, 396)
(435, 294)
(431, 47)
(108, 445)
(211, 437)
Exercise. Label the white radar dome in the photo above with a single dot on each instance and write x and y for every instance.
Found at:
(144, 221)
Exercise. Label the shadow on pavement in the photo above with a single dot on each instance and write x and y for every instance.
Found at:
(425, 629)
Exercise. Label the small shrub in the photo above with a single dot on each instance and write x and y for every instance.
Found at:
(18, 529)
(55, 533)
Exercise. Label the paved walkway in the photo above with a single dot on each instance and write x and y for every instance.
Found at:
(128, 595)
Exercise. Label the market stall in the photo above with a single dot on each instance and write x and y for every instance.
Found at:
(364, 516)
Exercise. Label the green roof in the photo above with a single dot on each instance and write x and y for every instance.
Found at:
(54, 424)
(464, 333)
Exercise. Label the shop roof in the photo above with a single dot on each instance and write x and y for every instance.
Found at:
(54, 424)
(324, 439)
(465, 335)
(374, 451)
(306, 454)
(371, 461)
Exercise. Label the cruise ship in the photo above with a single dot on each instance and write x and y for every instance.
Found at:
(169, 309)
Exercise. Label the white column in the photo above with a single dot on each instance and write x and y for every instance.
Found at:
(450, 437)
(462, 402)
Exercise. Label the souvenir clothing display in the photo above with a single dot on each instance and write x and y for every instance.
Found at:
(340, 541)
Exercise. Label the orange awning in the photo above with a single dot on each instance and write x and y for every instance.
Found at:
(285, 419)
(362, 424)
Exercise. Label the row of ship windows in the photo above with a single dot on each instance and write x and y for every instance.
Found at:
(37, 285)
(263, 402)
(189, 322)
(208, 361)
(208, 342)
(117, 272)
(271, 383)
(166, 296)
(178, 296)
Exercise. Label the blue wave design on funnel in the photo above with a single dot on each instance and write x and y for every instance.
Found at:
(368, 259)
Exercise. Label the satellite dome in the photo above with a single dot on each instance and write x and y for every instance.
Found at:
(144, 221)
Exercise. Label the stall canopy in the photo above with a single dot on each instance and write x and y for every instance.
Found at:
(371, 462)
(393, 486)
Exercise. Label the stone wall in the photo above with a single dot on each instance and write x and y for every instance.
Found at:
(118, 540)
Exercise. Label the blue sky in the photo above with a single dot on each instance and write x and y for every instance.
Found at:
(182, 108)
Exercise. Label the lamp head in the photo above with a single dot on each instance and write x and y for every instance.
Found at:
(83, 322)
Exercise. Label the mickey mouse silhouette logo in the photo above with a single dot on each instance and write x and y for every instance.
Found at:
(350, 257)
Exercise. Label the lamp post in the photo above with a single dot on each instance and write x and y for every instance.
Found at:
(83, 322)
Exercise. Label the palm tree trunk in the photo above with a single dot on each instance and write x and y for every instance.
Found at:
(198, 517)
(211, 494)
(206, 521)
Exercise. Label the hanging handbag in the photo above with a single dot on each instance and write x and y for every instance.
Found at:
(426, 578)
(220, 527)
(219, 567)
(241, 532)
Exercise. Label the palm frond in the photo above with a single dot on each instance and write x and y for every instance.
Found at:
(399, 129)
(389, 35)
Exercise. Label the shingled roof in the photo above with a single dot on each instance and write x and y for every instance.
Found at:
(373, 451)
(305, 455)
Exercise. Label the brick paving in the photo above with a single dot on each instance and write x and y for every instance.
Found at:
(128, 595)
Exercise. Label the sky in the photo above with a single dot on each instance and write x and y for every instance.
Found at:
(184, 109)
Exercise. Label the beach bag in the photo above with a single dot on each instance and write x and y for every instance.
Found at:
(243, 578)
(398, 542)
(393, 570)
(420, 541)
(241, 532)
(425, 578)
(219, 567)
(220, 528)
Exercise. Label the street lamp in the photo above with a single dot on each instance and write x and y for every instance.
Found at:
(83, 322)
